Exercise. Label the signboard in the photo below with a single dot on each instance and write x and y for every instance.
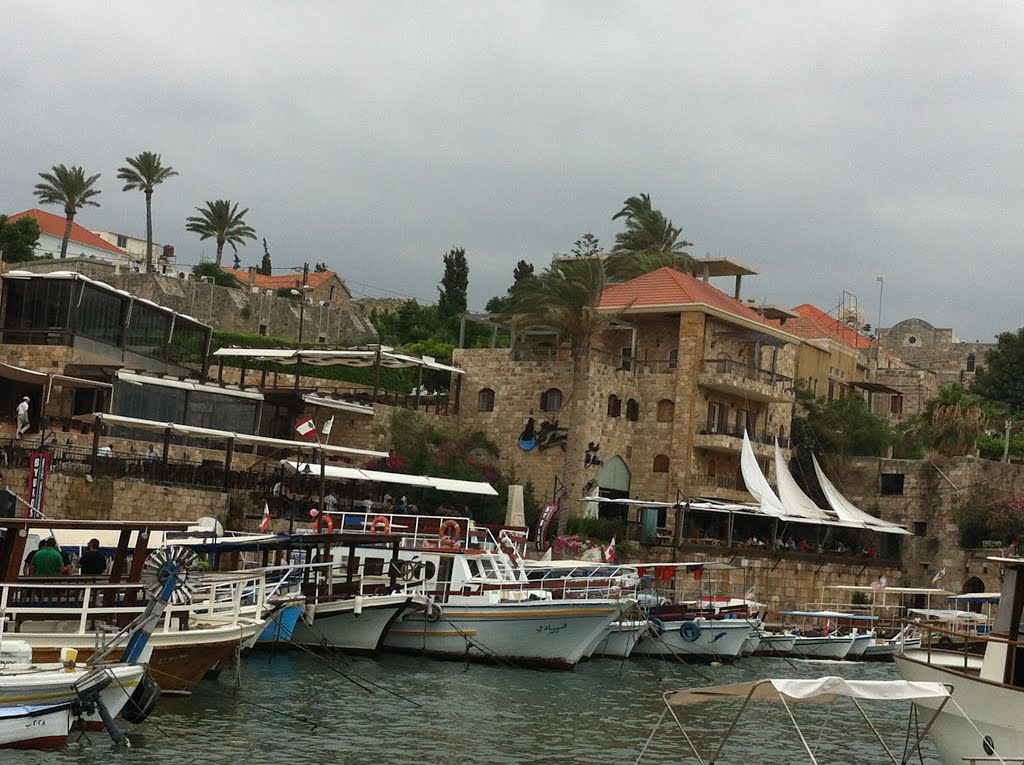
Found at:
(542, 525)
(38, 471)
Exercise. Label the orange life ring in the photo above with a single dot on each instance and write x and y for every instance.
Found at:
(328, 522)
(450, 533)
(380, 525)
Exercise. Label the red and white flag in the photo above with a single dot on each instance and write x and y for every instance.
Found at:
(609, 551)
(306, 428)
(939, 576)
(265, 526)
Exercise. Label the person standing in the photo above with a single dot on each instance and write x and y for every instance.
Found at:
(93, 562)
(47, 561)
(22, 416)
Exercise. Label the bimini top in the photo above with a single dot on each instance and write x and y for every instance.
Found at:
(822, 690)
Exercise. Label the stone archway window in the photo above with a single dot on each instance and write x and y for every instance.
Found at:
(551, 400)
(485, 400)
(673, 358)
(661, 463)
(970, 362)
(614, 406)
(632, 410)
(666, 410)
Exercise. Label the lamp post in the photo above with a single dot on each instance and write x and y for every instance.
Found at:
(302, 307)
(878, 326)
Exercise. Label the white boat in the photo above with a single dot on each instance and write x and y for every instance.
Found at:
(861, 641)
(483, 604)
(907, 639)
(357, 623)
(619, 638)
(985, 725)
(775, 643)
(752, 643)
(829, 641)
(700, 638)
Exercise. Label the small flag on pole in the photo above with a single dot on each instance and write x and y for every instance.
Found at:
(265, 526)
(327, 427)
(306, 428)
(939, 576)
(698, 573)
(609, 551)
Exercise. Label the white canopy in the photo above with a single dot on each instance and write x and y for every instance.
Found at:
(402, 479)
(849, 512)
(352, 357)
(822, 689)
(335, 403)
(196, 385)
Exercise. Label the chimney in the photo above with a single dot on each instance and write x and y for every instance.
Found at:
(252, 275)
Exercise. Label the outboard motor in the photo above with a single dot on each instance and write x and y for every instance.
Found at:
(89, 689)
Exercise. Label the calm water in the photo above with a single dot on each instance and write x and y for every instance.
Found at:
(470, 714)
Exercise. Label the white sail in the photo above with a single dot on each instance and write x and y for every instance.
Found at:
(757, 484)
(792, 496)
(849, 512)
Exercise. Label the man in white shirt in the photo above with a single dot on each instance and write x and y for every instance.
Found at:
(22, 415)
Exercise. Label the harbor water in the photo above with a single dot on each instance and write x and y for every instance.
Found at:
(293, 707)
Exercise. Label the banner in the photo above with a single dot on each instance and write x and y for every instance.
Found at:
(38, 471)
(542, 525)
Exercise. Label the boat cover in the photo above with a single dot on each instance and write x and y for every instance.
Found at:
(822, 689)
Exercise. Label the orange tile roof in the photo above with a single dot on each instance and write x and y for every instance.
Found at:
(54, 225)
(668, 287)
(280, 281)
(815, 324)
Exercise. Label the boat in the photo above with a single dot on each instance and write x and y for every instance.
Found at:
(54, 613)
(985, 725)
(883, 648)
(832, 641)
(774, 643)
(620, 638)
(696, 638)
(482, 604)
(824, 690)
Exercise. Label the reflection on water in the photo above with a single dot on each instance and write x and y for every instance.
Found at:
(292, 708)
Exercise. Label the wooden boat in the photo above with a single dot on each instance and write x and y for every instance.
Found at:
(54, 613)
(774, 643)
(834, 640)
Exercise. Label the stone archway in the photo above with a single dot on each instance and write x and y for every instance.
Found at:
(972, 585)
(613, 482)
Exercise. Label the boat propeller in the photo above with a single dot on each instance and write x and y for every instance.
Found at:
(167, 561)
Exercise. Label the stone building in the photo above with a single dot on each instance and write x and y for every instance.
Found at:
(935, 349)
(682, 371)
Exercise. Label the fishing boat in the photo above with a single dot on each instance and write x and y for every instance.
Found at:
(54, 613)
(834, 639)
(786, 692)
(774, 643)
(985, 726)
(619, 638)
(482, 606)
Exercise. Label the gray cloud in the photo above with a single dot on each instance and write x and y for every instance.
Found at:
(820, 144)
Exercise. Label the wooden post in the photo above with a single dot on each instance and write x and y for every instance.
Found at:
(227, 464)
(419, 386)
(97, 428)
(376, 374)
(138, 560)
(13, 547)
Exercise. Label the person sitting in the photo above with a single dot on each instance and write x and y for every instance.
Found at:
(93, 562)
(152, 454)
(105, 451)
(401, 507)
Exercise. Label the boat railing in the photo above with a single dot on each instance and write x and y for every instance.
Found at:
(935, 638)
(93, 604)
(448, 532)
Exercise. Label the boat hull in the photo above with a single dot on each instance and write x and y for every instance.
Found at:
(775, 644)
(620, 638)
(995, 709)
(884, 651)
(545, 633)
(351, 624)
(830, 647)
(859, 645)
(35, 727)
(716, 640)
(281, 626)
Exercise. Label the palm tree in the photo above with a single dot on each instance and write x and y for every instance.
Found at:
(68, 187)
(651, 240)
(143, 173)
(221, 220)
(564, 299)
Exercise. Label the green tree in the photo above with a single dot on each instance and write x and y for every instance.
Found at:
(454, 286)
(587, 246)
(144, 173)
(220, 277)
(223, 222)
(564, 299)
(70, 188)
(1001, 378)
(18, 239)
(266, 268)
(651, 240)
(499, 303)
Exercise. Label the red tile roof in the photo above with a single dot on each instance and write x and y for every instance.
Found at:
(54, 225)
(315, 279)
(668, 287)
(815, 324)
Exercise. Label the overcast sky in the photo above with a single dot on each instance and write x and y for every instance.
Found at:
(823, 144)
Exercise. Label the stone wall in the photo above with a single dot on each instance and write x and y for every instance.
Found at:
(935, 349)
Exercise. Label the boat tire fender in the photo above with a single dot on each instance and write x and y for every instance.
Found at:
(142, 702)
(434, 613)
(689, 631)
(658, 626)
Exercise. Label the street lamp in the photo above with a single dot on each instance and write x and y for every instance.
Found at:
(302, 306)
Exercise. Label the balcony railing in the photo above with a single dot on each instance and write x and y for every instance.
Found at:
(726, 482)
(756, 438)
(745, 371)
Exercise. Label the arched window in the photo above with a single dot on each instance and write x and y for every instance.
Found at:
(661, 463)
(970, 363)
(673, 358)
(666, 410)
(485, 400)
(551, 400)
(632, 410)
(614, 406)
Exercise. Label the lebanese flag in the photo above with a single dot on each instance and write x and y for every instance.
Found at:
(609, 551)
(306, 428)
(265, 526)
(698, 573)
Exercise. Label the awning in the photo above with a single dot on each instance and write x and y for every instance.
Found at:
(830, 615)
(822, 689)
(335, 472)
(337, 403)
(21, 374)
(117, 420)
(353, 357)
(194, 385)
